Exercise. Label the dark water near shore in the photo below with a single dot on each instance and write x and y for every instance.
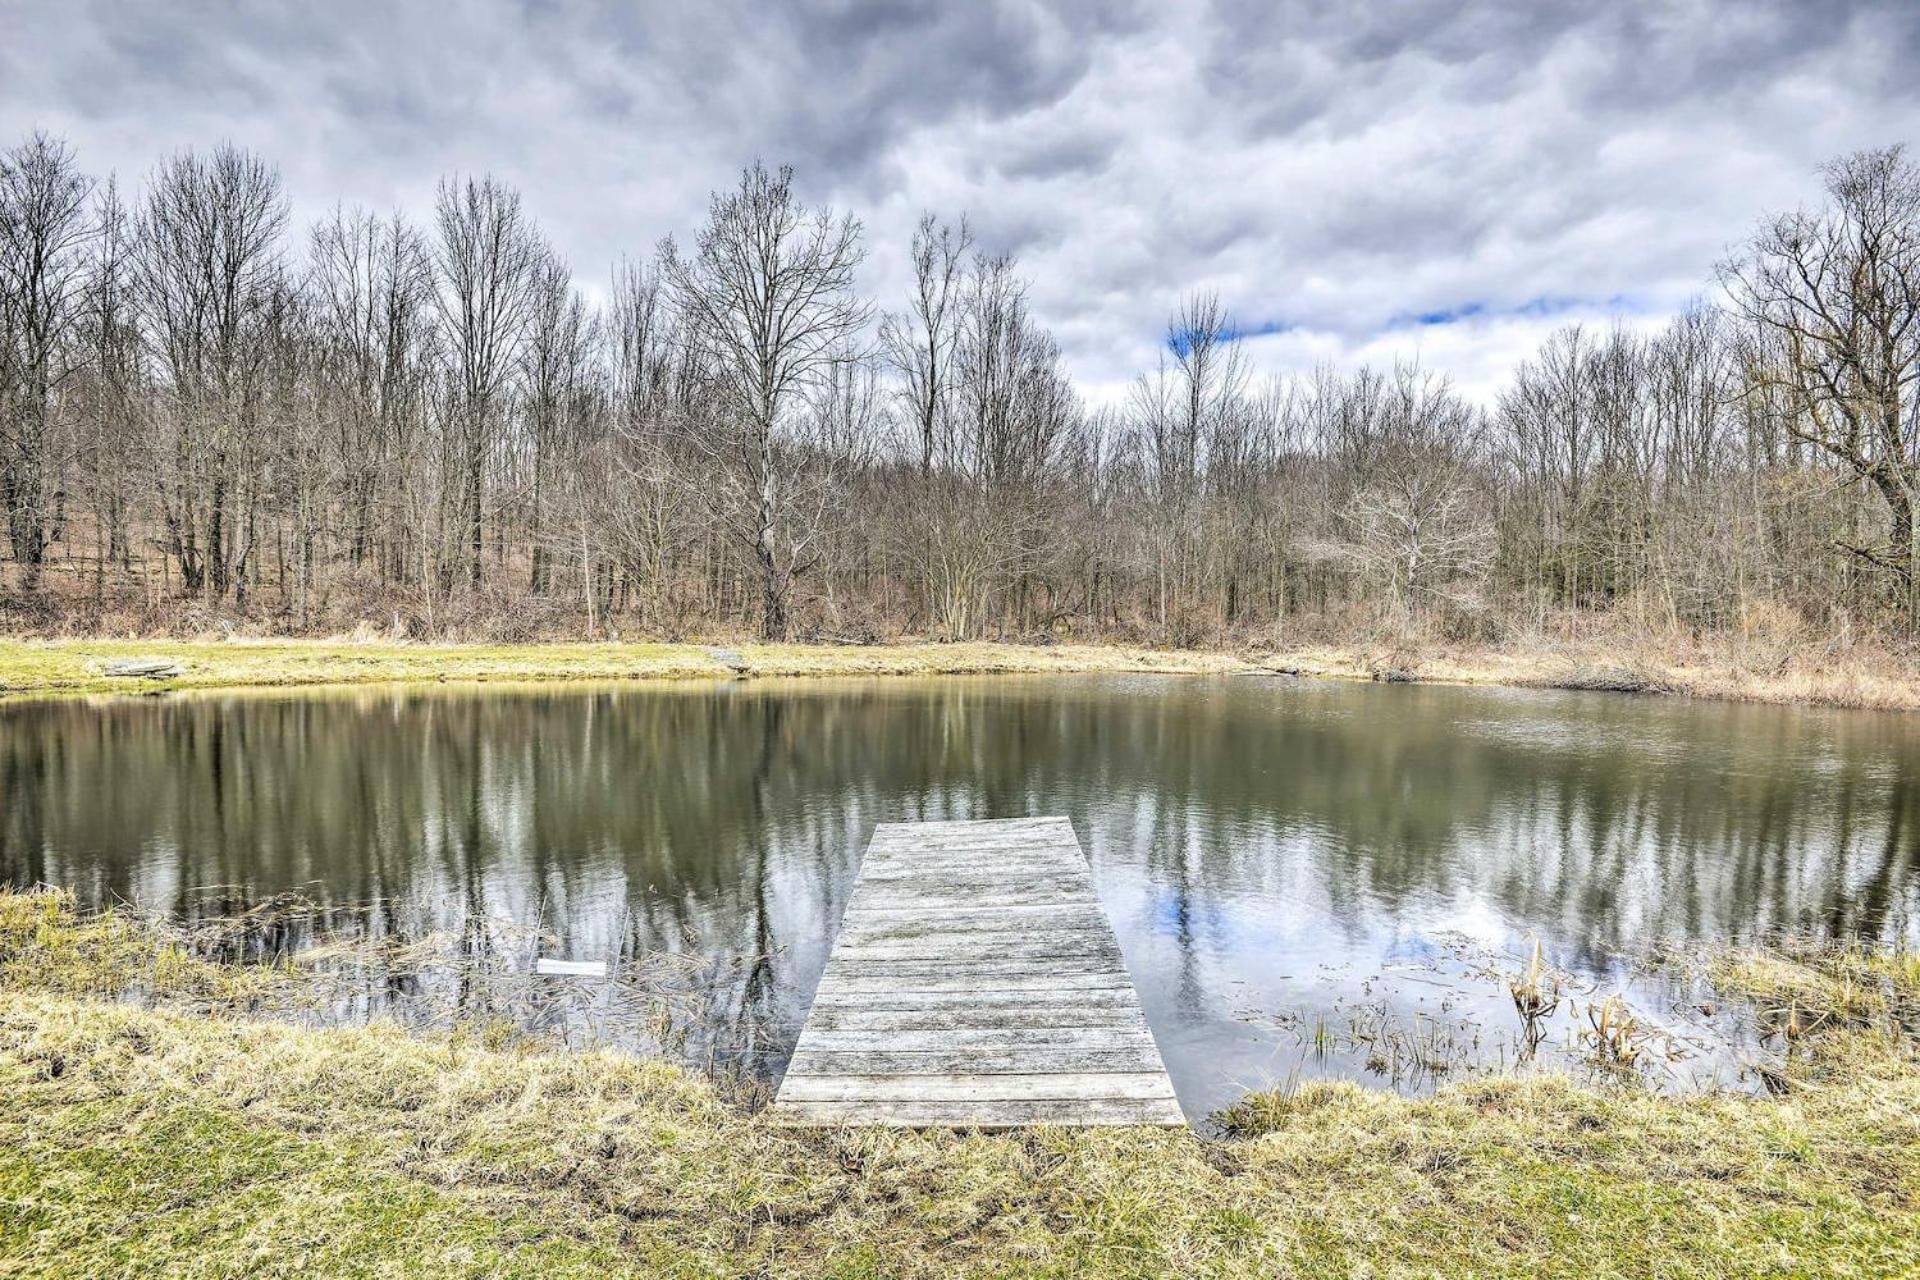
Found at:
(1307, 879)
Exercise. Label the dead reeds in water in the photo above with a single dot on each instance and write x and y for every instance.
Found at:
(1615, 1034)
(1536, 995)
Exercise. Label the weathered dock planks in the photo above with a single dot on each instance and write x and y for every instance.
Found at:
(976, 984)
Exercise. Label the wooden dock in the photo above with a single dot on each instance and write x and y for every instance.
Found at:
(976, 984)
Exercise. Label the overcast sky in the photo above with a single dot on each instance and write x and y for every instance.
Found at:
(1431, 179)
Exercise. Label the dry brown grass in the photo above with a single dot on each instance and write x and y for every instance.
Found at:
(1774, 664)
(72, 667)
(1862, 678)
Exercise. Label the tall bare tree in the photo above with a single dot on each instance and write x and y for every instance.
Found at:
(920, 341)
(636, 493)
(768, 295)
(560, 385)
(209, 282)
(44, 229)
(1836, 295)
(1192, 399)
(371, 284)
(117, 391)
(484, 273)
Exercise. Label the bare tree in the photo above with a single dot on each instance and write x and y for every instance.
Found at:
(635, 495)
(1187, 403)
(484, 271)
(208, 280)
(769, 303)
(117, 390)
(1547, 420)
(44, 229)
(920, 342)
(370, 279)
(560, 388)
(1836, 295)
(1416, 522)
(1010, 419)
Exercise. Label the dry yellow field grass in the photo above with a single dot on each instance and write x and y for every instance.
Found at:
(70, 667)
(1863, 679)
(1723, 671)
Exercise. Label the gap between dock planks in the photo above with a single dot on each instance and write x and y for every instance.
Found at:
(976, 984)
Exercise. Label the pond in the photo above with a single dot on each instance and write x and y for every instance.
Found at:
(1307, 879)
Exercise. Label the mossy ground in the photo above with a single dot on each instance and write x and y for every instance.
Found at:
(181, 1137)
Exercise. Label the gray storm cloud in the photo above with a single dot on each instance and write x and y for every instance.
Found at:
(1437, 180)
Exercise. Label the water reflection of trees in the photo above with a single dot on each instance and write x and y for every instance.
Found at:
(1604, 820)
(727, 818)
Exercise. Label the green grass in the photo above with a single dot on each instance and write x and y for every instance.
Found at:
(73, 667)
(188, 1139)
(216, 1195)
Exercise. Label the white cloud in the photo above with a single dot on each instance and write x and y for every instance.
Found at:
(1477, 354)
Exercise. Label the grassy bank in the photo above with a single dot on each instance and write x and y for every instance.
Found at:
(1730, 672)
(1726, 671)
(43, 667)
(188, 1139)
(40, 668)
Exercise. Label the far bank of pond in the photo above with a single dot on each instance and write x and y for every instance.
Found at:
(1725, 669)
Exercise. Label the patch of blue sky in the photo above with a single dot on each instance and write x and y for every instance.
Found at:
(1181, 342)
(1547, 306)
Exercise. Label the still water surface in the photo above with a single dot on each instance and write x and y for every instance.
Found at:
(1307, 879)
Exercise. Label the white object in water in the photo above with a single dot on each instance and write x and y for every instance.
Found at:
(546, 966)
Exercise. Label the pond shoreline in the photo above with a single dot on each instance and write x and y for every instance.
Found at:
(128, 1133)
(39, 668)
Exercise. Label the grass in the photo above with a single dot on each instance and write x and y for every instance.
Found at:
(1729, 671)
(1720, 671)
(1801, 987)
(180, 1137)
(69, 667)
(46, 945)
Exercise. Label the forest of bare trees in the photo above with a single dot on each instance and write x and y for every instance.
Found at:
(210, 417)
